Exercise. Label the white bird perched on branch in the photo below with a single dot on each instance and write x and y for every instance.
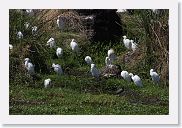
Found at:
(57, 69)
(26, 25)
(10, 46)
(94, 71)
(34, 29)
(136, 79)
(155, 77)
(127, 42)
(59, 52)
(51, 42)
(29, 66)
(74, 46)
(88, 60)
(111, 55)
(126, 76)
(60, 22)
(47, 83)
(133, 45)
(19, 35)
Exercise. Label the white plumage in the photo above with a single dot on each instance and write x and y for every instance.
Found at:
(51, 42)
(10, 46)
(111, 55)
(136, 79)
(47, 83)
(155, 77)
(57, 69)
(20, 35)
(27, 25)
(94, 71)
(60, 22)
(121, 10)
(127, 43)
(30, 12)
(59, 52)
(126, 76)
(34, 30)
(29, 66)
(74, 46)
(108, 61)
(133, 45)
(88, 60)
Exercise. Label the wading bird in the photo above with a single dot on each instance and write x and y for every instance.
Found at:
(88, 60)
(47, 83)
(136, 79)
(74, 46)
(125, 75)
(155, 77)
(94, 71)
(127, 43)
(51, 42)
(29, 66)
(19, 35)
(57, 69)
(59, 52)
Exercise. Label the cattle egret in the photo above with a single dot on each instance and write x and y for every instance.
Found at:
(34, 30)
(10, 46)
(19, 35)
(155, 76)
(111, 55)
(94, 71)
(47, 83)
(59, 52)
(121, 10)
(127, 43)
(74, 46)
(126, 76)
(133, 45)
(136, 79)
(51, 42)
(108, 61)
(60, 22)
(27, 25)
(30, 12)
(29, 66)
(88, 60)
(57, 69)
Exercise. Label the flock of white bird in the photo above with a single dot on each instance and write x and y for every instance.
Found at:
(111, 57)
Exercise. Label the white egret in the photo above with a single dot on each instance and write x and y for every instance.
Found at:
(51, 42)
(60, 22)
(19, 35)
(30, 12)
(59, 52)
(155, 77)
(47, 83)
(127, 42)
(111, 55)
(26, 25)
(94, 71)
(88, 60)
(126, 76)
(57, 69)
(34, 29)
(136, 79)
(29, 66)
(133, 45)
(121, 10)
(108, 61)
(10, 46)
(74, 46)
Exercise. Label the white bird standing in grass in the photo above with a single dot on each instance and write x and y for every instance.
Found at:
(51, 42)
(30, 12)
(111, 55)
(126, 76)
(108, 62)
(155, 77)
(19, 35)
(29, 66)
(27, 25)
(133, 45)
(59, 52)
(74, 46)
(127, 43)
(60, 22)
(34, 29)
(136, 79)
(57, 69)
(94, 71)
(10, 46)
(88, 60)
(47, 83)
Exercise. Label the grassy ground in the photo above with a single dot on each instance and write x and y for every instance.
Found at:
(76, 92)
